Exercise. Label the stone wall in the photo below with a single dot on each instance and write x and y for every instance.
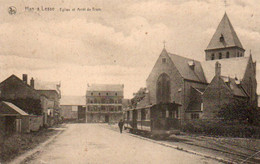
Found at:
(36, 122)
(233, 52)
(67, 113)
(215, 96)
(175, 78)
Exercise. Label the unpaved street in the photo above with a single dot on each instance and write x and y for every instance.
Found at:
(96, 143)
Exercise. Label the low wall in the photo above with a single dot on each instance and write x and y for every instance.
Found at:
(25, 124)
(36, 122)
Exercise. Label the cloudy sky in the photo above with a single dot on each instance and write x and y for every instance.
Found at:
(118, 44)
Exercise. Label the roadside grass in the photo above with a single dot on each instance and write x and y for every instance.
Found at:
(17, 144)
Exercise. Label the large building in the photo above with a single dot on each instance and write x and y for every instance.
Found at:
(73, 108)
(201, 88)
(104, 102)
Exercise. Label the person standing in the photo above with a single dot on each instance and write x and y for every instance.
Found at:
(120, 125)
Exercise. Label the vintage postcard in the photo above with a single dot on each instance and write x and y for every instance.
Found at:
(133, 81)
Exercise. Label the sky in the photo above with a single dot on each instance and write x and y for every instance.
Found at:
(117, 42)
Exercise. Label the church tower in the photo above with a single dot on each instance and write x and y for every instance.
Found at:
(225, 42)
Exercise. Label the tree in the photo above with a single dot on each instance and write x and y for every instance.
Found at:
(138, 96)
(238, 110)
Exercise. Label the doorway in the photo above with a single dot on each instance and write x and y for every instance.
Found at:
(106, 118)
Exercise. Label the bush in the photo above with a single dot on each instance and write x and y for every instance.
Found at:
(220, 128)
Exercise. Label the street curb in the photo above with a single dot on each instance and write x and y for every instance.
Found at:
(181, 149)
(28, 154)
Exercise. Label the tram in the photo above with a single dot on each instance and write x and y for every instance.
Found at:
(160, 120)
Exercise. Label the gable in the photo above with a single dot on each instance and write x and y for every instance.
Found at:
(163, 64)
(188, 69)
(215, 86)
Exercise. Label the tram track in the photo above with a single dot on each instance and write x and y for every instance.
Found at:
(225, 155)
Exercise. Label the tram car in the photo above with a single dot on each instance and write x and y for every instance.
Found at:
(158, 120)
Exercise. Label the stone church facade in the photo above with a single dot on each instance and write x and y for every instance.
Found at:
(201, 88)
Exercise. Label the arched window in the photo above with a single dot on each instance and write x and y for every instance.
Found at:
(163, 90)
(220, 55)
(212, 56)
(227, 54)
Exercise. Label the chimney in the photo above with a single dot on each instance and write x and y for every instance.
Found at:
(217, 69)
(32, 83)
(25, 77)
(191, 64)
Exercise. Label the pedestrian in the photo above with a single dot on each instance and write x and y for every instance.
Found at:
(120, 125)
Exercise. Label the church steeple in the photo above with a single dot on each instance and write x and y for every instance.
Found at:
(225, 42)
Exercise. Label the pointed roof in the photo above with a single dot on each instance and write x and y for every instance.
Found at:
(189, 69)
(9, 109)
(17, 79)
(235, 88)
(226, 30)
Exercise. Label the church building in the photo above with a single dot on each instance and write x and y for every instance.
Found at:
(201, 88)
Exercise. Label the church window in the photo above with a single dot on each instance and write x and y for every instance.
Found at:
(116, 94)
(163, 88)
(220, 55)
(227, 54)
(212, 56)
(91, 93)
(99, 94)
(164, 60)
(107, 94)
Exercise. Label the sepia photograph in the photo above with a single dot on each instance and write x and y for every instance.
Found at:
(129, 82)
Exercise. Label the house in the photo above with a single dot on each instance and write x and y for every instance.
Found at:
(37, 103)
(50, 90)
(23, 95)
(53, 106)
(73, 108)
(104, 102)
(201, 88)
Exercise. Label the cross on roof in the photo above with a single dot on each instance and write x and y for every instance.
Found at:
(225, 3)
(164, 43)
